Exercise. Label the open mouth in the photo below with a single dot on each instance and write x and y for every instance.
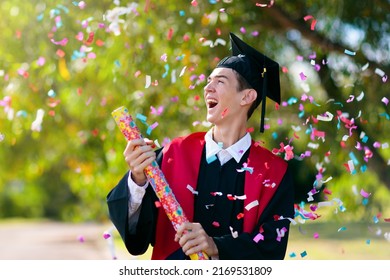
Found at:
(211, 103)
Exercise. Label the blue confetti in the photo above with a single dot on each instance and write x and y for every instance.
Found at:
(211, 159)
(342, 229)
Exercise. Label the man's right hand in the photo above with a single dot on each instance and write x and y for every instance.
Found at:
(138, 155)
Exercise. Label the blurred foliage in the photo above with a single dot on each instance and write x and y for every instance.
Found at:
(79, 60)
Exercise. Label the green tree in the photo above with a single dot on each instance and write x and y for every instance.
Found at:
(78, 63)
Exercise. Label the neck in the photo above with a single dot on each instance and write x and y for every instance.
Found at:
(228, 135)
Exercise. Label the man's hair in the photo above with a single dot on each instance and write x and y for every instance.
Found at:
(243, 84)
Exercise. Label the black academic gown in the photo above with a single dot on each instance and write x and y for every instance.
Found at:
(217, 214)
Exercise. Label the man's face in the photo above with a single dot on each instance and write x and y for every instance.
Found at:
(221, 96)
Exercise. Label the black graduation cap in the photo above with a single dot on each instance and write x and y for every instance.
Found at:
(261, 72)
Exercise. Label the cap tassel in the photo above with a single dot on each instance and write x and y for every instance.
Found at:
(264, 97)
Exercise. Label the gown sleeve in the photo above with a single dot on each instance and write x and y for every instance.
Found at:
(117, 202)
(270, 248)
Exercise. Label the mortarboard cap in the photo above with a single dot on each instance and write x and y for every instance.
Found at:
(261, 72)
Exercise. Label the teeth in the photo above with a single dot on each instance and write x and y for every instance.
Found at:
(212, 101)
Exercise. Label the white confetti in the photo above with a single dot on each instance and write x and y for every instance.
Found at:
(251, 205)
(192, 190)
(37, 123)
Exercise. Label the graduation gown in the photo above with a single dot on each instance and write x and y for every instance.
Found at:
(221, 205)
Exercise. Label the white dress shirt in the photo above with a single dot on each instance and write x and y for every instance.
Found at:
(214, 150)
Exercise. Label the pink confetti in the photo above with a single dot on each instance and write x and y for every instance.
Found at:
(82, 5)
(81, 238)
(271, 3)
(155, 111)
(170, 34)
(313, 22)
(63, 42)
(316, 235)
(224, 113)
(385, 100)
(364, 193)
(215, 224)
(281, 233)
(258, 237)
(351, 98)
(302, 76)
(41, 61)
(377, 145)
(106, 235)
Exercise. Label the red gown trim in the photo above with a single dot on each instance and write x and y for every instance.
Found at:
(180, 165)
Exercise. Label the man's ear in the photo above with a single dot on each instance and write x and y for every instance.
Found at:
(249, 96)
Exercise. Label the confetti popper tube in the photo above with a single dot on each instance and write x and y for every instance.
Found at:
(155, 176)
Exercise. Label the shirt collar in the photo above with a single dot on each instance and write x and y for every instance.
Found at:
(237, 150)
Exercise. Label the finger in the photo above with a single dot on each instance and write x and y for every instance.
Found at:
(150, 142)
(139, 160)
(132, 145)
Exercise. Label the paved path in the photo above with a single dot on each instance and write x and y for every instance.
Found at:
(58, 241)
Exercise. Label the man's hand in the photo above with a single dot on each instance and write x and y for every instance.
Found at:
(139, 154)
(193, 239)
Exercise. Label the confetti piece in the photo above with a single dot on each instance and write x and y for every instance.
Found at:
(62, 42)
(216, 193)
(379, 72)
(303, 254)
(224, 113)
(63, 69)
(157, 111)
(349, 52)
(37, 123)
(292, 255)
(342, 229)
(240, 216)
(81, 239)
(364, 193)
(292, 221)
(365, 66)
(385, 101)
(191, 189)
(258, 237)
(245, 168)
(151, 127)
(234, 233)
(211, 159)
(360, 97)
(215, 224)
(316, 235)
(251, 205)
(313, 22)
(141, 117)
(148, 81)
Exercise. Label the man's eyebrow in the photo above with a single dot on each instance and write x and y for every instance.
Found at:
(218, 76)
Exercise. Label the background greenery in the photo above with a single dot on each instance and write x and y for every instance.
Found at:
(79, 62)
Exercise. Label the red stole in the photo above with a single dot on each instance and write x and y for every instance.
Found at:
(180, 165)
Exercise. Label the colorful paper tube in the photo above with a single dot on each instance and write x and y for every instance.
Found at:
(155, 176)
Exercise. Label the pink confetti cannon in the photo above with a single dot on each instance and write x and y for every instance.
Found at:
(155, 176)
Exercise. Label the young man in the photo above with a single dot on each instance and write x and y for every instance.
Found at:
(244, 196)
